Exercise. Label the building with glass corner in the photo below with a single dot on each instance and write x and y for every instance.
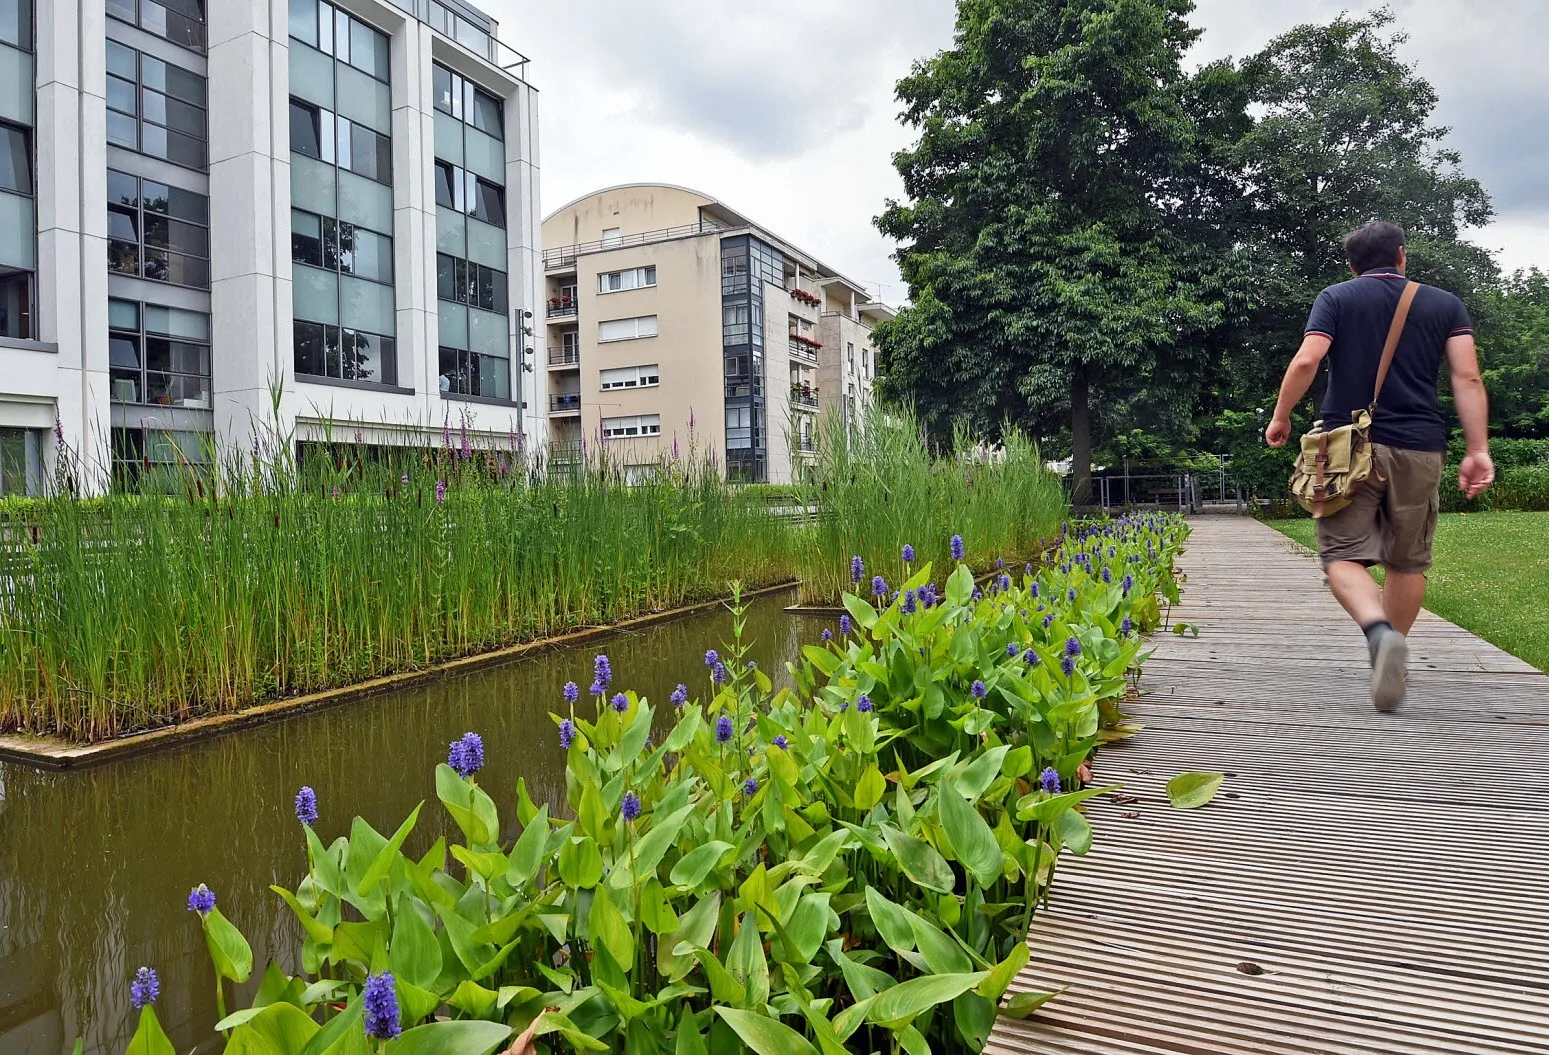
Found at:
(304, 219)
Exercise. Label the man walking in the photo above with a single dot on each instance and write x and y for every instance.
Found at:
(1391, 519)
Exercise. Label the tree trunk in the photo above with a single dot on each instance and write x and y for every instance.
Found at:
(1080, 440)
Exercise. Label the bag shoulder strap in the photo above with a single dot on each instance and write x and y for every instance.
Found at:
(1396, 331)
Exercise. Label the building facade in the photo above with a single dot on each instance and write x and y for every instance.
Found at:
(276, 217)
(675, 323)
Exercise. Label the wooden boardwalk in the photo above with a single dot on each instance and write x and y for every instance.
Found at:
(1364, 883)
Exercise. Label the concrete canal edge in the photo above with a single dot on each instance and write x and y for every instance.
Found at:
(44, 752)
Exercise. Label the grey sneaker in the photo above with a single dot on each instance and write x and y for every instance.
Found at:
(1390, 674)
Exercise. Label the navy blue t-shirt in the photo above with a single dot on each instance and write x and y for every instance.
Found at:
(1356, 316)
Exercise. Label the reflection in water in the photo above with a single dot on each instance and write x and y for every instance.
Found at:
(96, 865)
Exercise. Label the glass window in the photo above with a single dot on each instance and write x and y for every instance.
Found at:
(171, 372)
(365, 253)
(123, 189)
(173, 80)
(447, 185)
(121, 94)
(16, 305)
(441, 83)
(306, 238)
(306, 129)
(325, 29)
(172, 113)
(122, 131)
(370, 154)
(16, 23)
(446, 276)
(486, 113)
(303, 20)
(175, 201)
(15, 160)
(341, 35)
(121, 60)
(368, 50)
(490, 204)
(124, 224)
(309, 343)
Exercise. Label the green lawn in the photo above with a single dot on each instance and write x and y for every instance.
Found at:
(1491, 576)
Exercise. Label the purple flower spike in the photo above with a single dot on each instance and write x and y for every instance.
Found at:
(1029, 657)
(750, 787)
(629, 809)
(1072, 647)
(878, 586)
(1049, 781)
(978, 689)
(201, 899)
(712, 657)
(620, 703)
(306, 806)
(845, 625)
(566, 733)
(1126, 626)
(857, 569)
(1011, 649)
(723, 729)
(380, 998)
(782, 743)
(911, 602)
(718, 674)
(145, 988)
(908, 554)
(440, 490)
(572, 692)
(679, 695)
(1068, 665)
(957, 547)
(863, 704)
(466, 754)
(1047, 620)
(828, 635)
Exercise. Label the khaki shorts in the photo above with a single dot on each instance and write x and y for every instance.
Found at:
(1391, 521)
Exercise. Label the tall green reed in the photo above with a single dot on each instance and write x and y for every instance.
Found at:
(266, 576)
(879, 487)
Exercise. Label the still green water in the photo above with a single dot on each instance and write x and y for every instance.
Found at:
(96, 865)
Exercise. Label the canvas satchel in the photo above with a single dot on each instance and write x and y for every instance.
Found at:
(1334, 464)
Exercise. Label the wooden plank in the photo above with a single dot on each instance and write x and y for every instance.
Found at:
(1385, 873)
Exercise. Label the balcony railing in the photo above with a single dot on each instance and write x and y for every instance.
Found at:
(444, 19)
(806, 446)
(804, 399)
(562, 403)
(803, 350)
(564, 356)
(565, 255)
(564, 309)
(566, 454)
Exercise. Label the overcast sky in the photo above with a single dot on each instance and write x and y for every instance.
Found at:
(785, 109)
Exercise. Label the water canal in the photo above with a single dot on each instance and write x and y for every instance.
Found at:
(96, 865)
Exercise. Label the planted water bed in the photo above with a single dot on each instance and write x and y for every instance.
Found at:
(845, 863)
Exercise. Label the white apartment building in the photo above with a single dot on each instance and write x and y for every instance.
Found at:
(216, 214)
(674, 320)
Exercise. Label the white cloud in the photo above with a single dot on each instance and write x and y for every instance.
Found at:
(786, 111)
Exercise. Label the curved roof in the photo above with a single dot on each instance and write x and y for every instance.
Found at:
(629, 186)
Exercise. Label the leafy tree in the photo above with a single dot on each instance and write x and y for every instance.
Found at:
(1056, 240)
(1514, 351)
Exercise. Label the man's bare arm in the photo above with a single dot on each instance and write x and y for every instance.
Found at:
(1477, 471)
(1298, 379)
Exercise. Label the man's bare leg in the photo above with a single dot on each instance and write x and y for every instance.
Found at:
(1360, 595)
(1403, 595)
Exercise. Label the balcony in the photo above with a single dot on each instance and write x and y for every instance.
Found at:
(562, 307)
(566, 455)
(565, 255)
(806, 446)
(562, 357)
(565, 403)
(804, 398)
(805, 348)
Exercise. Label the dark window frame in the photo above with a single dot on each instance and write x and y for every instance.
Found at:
(331, 248)
(339, 344)
(143, 372)
(195, 31)
(467, 286)
(142, 120)
(144, 249)
(468, 373)
(330, 21)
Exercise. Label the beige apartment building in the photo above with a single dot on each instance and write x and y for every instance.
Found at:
(674, 322)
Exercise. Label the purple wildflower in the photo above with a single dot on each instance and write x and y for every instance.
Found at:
(750, 787)
(723, 729)
(1047, 620)
(679, 695)
(1004, 582)
(1011, 648)
(1033, 590)
(1072, 647)
(629, 809)
(201, 899)
(863, 704)
(1070, 595)
(306, 806)
(857, 569)
(1000, 563)
(572, 692)
(1127, 583)
(844, 625)
(1107, 576)
(1068, 665)
(440, 490)
(602, 669)
(978, 689)
(1126, 625)
(752, 665)
(1029, 657)
(782, 743)
(908, 554)
(466, 754)
(910, 602)
(620, 702)
(878, 586)
(145, 988)
(566, 733)
(381, 1004)
(712, 657)
(957, 547)
(1049, 781)
(718, 674)
(828, 635)
(845, 706)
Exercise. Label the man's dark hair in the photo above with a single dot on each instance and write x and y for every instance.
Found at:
(1373, 245)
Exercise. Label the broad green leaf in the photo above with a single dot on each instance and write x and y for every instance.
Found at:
(919, 860)
(724, 985)
(1000, 976)
(417, 1004)
(469, 806)
(863, 981)
(870, 788)
(655, 908)
(823, 853)
(1190, 791)
(1023, 1004)
(913, 1042)
(890, 919)
(580, 863)
(695, 927)
(385, 857)
(944, 955)
(1074, 831)
(766, 1036)
(1037, 807)
(690, 1041)
(318, 932)
(593, 815)
(969, 834)
(473, 1000)
(694, 866)
(975, 1017)
(281, 1028)
(414, 953)
(979, 774)
(653, 846)
(450, 1038)
(745, 959)
(809, 925)
(960, 586)
(907, 999)
(1018, 762)
(527, 854)
(229, 950)
(335, 1030)
(864, 614)
(609, 929)
(325, 867)
(852, 1018)
(149, 1038)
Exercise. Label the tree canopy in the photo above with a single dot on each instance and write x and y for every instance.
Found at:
(1099, 241)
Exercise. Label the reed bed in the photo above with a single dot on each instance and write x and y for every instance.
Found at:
(267, 578)
(880, 487)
